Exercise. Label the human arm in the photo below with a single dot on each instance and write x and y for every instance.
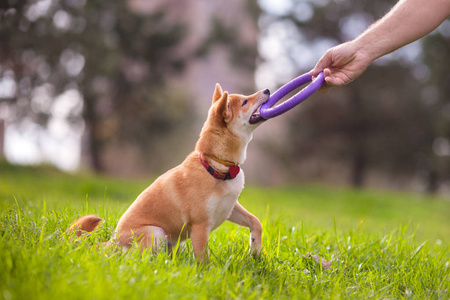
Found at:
(408, 21)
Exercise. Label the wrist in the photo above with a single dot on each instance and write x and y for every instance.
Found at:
(367, 49)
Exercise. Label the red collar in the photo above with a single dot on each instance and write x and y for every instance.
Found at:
(233, 170)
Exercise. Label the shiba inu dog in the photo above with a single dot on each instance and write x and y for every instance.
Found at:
(197, 196)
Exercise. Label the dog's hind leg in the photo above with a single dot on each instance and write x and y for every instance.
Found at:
(146, 237)
(241, 216)
(152, 237)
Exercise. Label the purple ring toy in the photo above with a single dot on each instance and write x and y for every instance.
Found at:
(267, 111)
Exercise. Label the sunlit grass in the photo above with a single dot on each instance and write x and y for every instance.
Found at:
(383, 245)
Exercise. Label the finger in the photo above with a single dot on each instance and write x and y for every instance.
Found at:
(314, 72)
(334, 81)
(331, 81)
(327, 73)
(323, 63)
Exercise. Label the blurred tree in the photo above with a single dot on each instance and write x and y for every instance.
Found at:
(380, 122)
(242, 55)
(377, 124)
(116, 59)
(435, 162)
(2, 137)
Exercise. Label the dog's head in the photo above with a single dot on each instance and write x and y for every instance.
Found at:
(231, 121)
(238, 113)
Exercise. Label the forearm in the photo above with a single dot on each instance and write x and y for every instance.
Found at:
(408, 21)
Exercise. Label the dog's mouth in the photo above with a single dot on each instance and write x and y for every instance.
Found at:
(256, 117)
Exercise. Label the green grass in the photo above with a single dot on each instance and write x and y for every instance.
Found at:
(383, 245)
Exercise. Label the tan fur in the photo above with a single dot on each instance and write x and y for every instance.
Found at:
(187, 201)
(87, 223)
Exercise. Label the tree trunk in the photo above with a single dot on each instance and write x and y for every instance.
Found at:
(2, 138)
(432, 182)
(359, 163)
(94, 144)
(358, 132)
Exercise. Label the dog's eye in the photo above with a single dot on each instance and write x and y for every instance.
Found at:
(245, 102)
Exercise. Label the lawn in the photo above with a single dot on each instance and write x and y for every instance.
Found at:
(380, 244)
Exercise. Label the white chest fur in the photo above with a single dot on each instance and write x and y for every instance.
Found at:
(220, 205)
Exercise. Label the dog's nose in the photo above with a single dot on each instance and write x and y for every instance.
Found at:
(266, 91)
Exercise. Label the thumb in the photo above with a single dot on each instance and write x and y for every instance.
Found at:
(323, 63)
(314, 72)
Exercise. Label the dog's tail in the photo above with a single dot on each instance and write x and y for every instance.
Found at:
(84, 224)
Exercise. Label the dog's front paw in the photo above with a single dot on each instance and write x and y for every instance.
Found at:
(255, 245)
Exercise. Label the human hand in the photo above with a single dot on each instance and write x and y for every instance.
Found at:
(341, 65)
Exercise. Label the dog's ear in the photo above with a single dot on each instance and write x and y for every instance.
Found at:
(222, 107)
(217, 93)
